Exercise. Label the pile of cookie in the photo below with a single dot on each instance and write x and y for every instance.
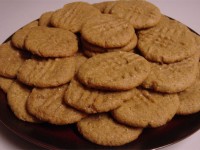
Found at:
(114, 68)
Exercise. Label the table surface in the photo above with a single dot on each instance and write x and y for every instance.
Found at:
(16, 13)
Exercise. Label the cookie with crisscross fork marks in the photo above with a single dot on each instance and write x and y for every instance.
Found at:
(107, 31)
(147, 108)
(73, 15)
(47, 72)
(174, 77)
(114, 71)
(94, 101)
(141, 14)
(47, 105)
(51, 42)
(168, 42)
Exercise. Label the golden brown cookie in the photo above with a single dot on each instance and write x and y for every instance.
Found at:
(168, 42)
(17, 98)
(11, 60)
(94, 101)
(5, 83)
(130, 46)
(114, 71)
(147, 109)
(19, 36)
(45, 19)
(107, 31)
(73, 15)
(103, 130)
(141, 14)
(51, 42)
(47, 72)
(47, 105)
(174, 77)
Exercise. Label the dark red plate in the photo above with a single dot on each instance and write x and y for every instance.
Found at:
(67, 137)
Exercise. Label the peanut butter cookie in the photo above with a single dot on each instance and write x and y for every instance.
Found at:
(141, 14)
(19, 36)
(94, 101)
(114, 71)
(51, 42)
(168, 42)
(47, 105)
(73, 15)
(107, 31)
(147, 109)
(103, 130)
(174, 77)
(47, 72)
(17, 98)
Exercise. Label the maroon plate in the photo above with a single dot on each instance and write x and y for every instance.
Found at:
(67, 137)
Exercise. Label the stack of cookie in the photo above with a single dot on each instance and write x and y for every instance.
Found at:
(107, 33)
(77, 64)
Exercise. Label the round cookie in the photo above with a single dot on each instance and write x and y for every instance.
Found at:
(141, 14)
(172, 78)
(73, 15)
(147, 109)
(11, 60)
(47, 72)
(107, 31)
(168, 42)
(130, 46)
(103, 130)
(51, 42)
(5, 83)
(19, 37)
(94, 101)
(17, 99)
(47, 105)
(114, 71)
(45, 18)
(190, 99)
